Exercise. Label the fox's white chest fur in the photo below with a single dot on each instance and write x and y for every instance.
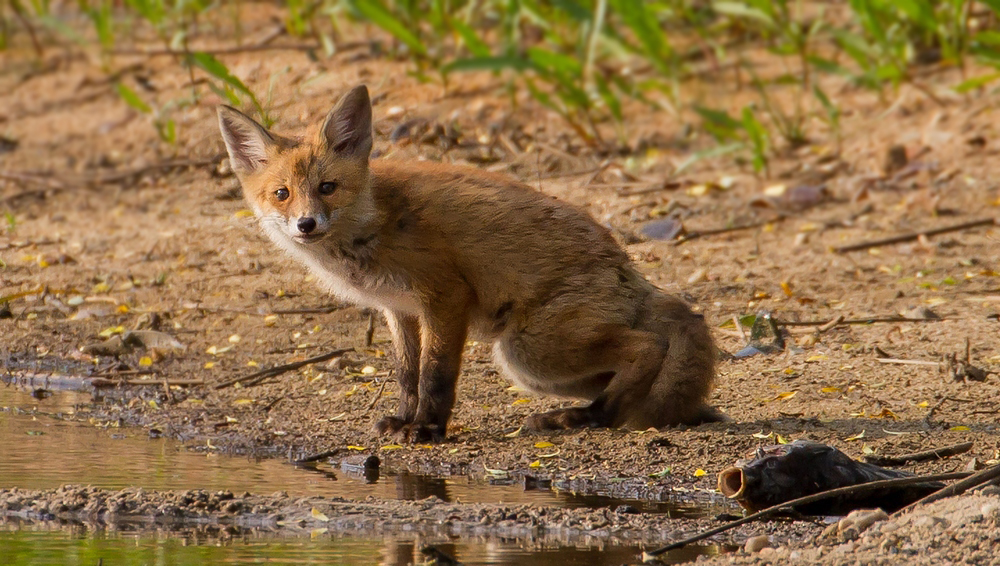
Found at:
(366, 287)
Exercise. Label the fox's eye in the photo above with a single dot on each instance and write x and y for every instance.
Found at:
(281, 194)
(327, 188)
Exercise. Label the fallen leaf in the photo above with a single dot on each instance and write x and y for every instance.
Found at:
(544, 444)
(317, 514)
(858, 436)
(358, 448)
(700, 472)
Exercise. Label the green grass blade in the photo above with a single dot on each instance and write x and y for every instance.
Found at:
(132, 99)
(377, 14)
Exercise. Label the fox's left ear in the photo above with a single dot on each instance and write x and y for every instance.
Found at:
(246, 141)
(347, 130)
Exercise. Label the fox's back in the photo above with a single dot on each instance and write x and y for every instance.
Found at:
(512, 244)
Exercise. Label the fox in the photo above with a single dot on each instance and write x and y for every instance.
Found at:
(449, 252)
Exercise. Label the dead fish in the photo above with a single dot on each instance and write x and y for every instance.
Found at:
(784, 472)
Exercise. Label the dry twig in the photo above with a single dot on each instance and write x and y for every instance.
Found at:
(915, 235)
(935, 454)
(259, 376)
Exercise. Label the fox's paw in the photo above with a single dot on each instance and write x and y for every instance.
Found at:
(389, 425)
(560, 419)
(410, 432)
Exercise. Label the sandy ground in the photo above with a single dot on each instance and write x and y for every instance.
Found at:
(127, 232)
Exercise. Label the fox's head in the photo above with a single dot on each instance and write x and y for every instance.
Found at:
(309, 190)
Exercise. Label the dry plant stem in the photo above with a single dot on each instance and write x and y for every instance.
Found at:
(259, 376)
(957, 488)
(915, 235)
(713, 232)
(873, 320)
(906, 362)
(935, 454)
(788, 505)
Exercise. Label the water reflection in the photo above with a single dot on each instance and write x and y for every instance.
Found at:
(43, 452)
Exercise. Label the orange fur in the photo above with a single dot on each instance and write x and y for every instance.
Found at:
(446, 252)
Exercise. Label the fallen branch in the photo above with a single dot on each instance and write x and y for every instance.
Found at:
(915, 235)
(259, 376)
(935, 454)
(957, 488)
(789, 505)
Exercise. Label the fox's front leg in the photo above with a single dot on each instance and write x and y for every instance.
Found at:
(442, 338)
(405, 330)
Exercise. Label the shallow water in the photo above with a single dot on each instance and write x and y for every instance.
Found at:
(40, 450)
(40, 547)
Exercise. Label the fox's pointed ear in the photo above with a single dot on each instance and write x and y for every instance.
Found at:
(246, 141)
(347, 130)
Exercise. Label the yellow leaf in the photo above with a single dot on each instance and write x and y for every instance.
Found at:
(317, 514)
(858, 436)
(762, 436)
(521, 402)
(152, 404)
(209, 365)
(270, 320)
(761, 295)
(544, 444)
(700, 472)
(367, 370)
(785, 396)
(234, 339)
(111, 331)
(535, 464)
(923, 404)
(816, 358)
(252, 364)
(145, 361)
(391, 447)
(786, 288)
(959, 427)
(245, 213)
(885, 414)
(243, 402)
(780, 439)
(102, 288)
(122, 309)
(830, 389)
(514, 434)
(358, 448)
(867, 450)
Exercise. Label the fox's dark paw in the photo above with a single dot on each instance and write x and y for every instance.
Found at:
(390, 425)
(560, 419)
(410, 432)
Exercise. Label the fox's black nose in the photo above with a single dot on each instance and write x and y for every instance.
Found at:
(307, 224)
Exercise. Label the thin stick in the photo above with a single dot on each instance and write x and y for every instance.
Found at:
(832, 324)
(788, 505)
(377, 396)
(702, 233)
(906, 362)
(915, 235)
(957, 488)
(261, 375)
(873, 320)
(104, 382)
(935, 454)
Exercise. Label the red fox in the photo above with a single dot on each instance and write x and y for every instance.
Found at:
(446, 252)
